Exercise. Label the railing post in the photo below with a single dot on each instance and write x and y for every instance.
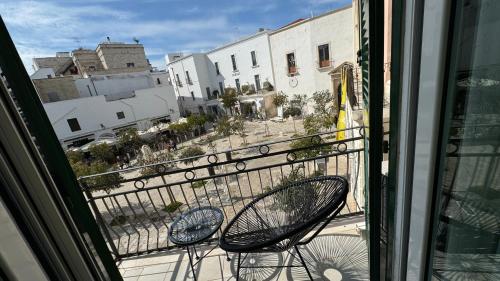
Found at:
(211, 171)
(100, 220)
(228, 156)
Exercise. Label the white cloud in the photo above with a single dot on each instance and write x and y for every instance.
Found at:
(33, 14)
(43, 28)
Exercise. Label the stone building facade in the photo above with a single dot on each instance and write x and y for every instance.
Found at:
(122, 58)
(56, 89)
(55, 77)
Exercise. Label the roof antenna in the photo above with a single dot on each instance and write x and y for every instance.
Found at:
(312, 16)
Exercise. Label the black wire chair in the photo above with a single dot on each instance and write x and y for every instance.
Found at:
(278, 220)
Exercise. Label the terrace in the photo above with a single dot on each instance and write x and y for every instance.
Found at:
(134, 216)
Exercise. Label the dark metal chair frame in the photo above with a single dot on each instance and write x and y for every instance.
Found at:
(294, 236)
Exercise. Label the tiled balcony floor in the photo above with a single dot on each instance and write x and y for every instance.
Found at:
(338, 253)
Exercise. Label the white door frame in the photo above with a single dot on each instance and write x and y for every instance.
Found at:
(423, 58)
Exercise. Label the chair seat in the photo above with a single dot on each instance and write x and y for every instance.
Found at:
(279, 219)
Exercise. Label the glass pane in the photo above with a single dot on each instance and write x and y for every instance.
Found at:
(466, 239)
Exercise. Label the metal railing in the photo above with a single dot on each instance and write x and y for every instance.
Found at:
(134, 207)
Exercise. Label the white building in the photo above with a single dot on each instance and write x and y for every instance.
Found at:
(305, 51)
(114, 86)
(244, 62)
(192, 84)
(87, 93)
(199, 78)
(294, 59)
(86, 119)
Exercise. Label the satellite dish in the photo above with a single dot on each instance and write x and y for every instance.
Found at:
(136, 40)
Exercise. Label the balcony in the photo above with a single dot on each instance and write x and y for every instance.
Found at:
(135, 215)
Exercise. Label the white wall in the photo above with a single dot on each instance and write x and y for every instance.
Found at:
(335, 28)
(196, 65)
(114, 86)
(162, 77)
(246, 71)
(43, 73)
(91, 112)
(201, 68)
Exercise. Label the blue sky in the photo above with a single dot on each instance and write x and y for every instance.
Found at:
(40, 28)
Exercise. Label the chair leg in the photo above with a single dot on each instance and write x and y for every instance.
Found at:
(238, 268)
(303, 262)
(191, 263)
(196, 253)
(219, 233)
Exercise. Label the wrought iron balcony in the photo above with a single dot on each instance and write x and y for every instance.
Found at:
(134, 207)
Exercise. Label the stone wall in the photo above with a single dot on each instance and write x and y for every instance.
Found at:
(87, 61)
(56, 89)
(269, 107)
(50, 62)
(115, 57)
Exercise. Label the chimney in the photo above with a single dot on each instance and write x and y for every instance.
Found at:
(261, 29)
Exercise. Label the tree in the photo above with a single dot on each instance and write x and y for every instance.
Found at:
(238, 127)
(224, 129)
(129, 139)
(229, 98)
(74, 156)
(181, 128)
(312, 124)
(245, 88)
(105, 182)
(197, 121)
(295, 108)
(279, 99)
(324, 108)
(102, 152)
(191, 154)
(299, 101)
(314, 150)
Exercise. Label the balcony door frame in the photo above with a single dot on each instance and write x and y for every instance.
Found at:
(43, 193)
(418, 71)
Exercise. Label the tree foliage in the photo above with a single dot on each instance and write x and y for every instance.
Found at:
(324, 113)
(197, 120)
(223, 127)
(74, 156)
(238, 127)
(229, 98)
(324, 108)
(129, 139)
(102, 152)
(291, 111)
(292, 201)
(298, 102)
(311, 147)
(105, 182)
(312, 124)
(279, 99)
(193, 153)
